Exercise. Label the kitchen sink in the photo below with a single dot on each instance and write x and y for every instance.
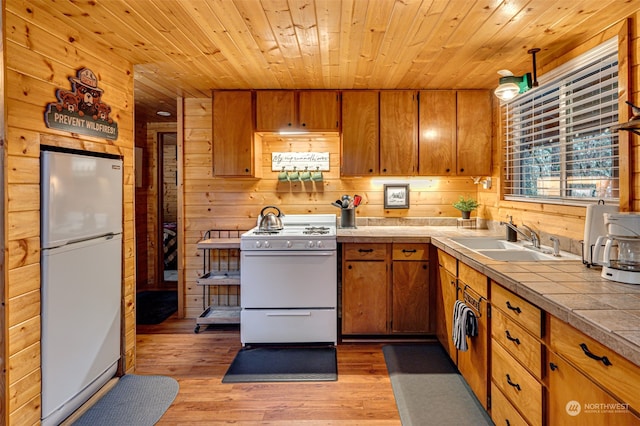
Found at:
(486, 243)
(506, 251)
(520, 255)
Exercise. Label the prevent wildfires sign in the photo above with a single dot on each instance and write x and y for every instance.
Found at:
(81, 110)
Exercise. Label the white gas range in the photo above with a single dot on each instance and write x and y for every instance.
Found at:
(289, 287)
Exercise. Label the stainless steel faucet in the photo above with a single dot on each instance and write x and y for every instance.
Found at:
(532, 237)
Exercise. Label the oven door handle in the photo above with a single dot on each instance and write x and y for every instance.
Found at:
(289, 314)
(288, 253)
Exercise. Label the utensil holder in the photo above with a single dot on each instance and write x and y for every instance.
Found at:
(348, 218)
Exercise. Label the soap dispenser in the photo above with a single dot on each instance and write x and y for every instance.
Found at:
(512, 235)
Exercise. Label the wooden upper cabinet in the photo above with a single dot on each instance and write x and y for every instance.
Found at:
(360, 133)
(398, 132)
(474, 133)
(455, 133)
(313, 111)
(437, 140)
(233, 144)
(319, 111)
(275, 110)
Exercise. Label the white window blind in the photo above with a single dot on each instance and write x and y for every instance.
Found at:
(558, 143)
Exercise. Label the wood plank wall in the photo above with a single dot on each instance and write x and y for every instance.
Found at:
(235, 203)
(41, 54)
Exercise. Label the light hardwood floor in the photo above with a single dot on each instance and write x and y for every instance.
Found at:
(362, 395)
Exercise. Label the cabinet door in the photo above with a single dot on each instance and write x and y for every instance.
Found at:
(364, 297)
(474, 133)
(398, 132)
(275, 110)
(233, 145)
(576, 400)
(410, 293)
(446, 296)
(473, 364)
(437, 126)
(360, 133)
(319, 111)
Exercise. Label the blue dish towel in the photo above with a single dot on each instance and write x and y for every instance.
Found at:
(465, 323)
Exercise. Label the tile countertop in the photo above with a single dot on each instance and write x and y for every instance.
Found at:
(607, 311)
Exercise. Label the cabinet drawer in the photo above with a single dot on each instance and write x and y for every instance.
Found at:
(502, 412)
(621, 377)
(474, 279)
(448, 261)
(520, 387)
(524, 313)
(518, 342)
(365, 251)
(410, 251)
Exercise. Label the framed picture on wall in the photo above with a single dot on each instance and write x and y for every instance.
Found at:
(396, 196)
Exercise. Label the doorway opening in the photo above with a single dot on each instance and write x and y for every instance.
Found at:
(168, 209)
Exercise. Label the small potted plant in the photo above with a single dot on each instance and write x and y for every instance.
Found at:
(466, 206)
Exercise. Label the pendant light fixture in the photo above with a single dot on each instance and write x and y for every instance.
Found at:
(511, 86)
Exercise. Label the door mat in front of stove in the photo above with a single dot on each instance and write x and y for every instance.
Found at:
(278, 364)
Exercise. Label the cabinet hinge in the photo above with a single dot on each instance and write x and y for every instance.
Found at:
(488, 310)
(488, 401)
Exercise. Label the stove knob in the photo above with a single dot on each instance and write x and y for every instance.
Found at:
(310, 244)
(258, 244)
(289, 244)
(320, 245)
(267, 244)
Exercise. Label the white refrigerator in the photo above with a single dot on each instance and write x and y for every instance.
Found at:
(81, 282)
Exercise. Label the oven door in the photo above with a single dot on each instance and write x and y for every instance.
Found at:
(288, 279)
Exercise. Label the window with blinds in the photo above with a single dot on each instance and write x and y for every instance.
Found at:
(558, 144)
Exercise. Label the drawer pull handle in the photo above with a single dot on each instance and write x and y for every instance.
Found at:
(365, 250)
(586, 351)
(553, 366)
(513, 339)
(515, 385)
(513, 308)
(409, 251)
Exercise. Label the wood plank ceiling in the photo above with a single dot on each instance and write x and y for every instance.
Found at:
(189, 47)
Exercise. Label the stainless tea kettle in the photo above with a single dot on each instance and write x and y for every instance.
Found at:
(270, 222)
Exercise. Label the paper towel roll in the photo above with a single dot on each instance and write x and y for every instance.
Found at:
(594, 227)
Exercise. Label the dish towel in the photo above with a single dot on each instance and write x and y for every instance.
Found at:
(465, 323)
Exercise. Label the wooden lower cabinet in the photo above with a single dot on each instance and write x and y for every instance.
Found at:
(385, 289)
(365, 289)
(410, 289)
(455, 279)
(446, 296)
(516, 358)
(473, 363)
(542, 370)
(604, 366)
(576, 400)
